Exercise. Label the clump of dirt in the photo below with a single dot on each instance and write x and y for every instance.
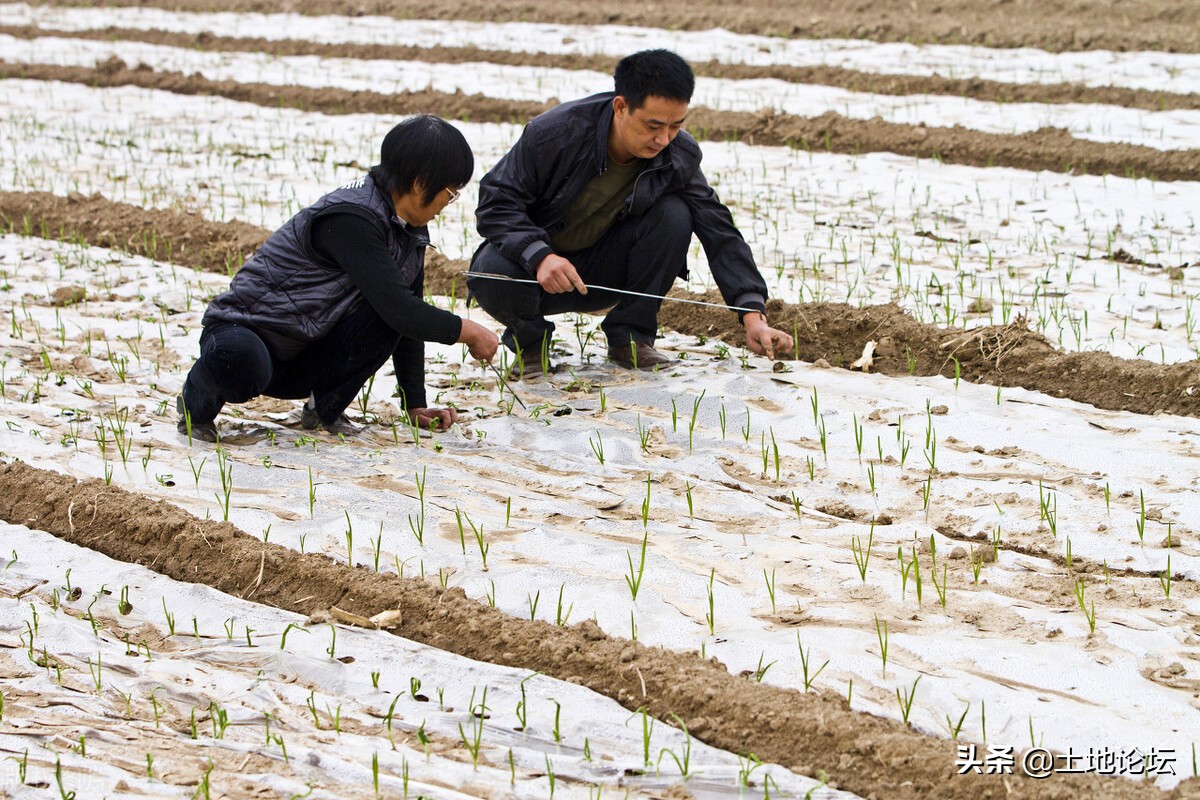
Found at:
(326, 100)
(1051, 149)
(1010, 355)
(67, 296)
(853, 80)
(1050, 24)
(183, 238)
(808, 732)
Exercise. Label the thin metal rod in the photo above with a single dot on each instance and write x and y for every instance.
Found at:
(495, 277)
(504, 385)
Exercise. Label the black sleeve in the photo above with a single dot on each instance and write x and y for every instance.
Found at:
(356, 245)
(409, 361)
(506, 193)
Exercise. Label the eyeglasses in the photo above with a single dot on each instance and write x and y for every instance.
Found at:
(454, 194)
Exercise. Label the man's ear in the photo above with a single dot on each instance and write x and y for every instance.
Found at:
(620, 105)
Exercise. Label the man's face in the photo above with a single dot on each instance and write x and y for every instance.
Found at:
(644, 132)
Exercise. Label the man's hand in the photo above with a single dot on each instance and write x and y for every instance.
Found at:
(434, 419)
(762, 338)
(479, 340)
(557, 275)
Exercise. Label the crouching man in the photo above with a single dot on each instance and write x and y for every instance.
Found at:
(606, 192)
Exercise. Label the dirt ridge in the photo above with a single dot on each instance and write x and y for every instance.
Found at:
(810, 733)
(1001, 356)
(840, 77)
(1054, 25)
(1052, 149)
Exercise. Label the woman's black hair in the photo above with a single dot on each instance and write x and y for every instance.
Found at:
(658, 73)
(427, 150)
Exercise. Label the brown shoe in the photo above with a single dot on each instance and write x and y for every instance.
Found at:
(528, 367)
(641, 356)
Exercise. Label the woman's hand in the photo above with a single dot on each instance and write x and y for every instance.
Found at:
(434, 419)
(479, 340)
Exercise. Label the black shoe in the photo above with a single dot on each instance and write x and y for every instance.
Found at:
(643, 356)
(204, 431)
(310, 422)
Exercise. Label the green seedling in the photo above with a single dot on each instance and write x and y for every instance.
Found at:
(643, 435)
(711, 616)
(804, 656)
(917, 574)
(906, 700)
(1164, 579)
(533, 603)
(1088, 613)
(695, 415)
(858, 436)
(557, 720)
(956, 727)
(881, 632)
(862, 555)
(62, 792)
(646, 504)
(770, 581)
(760, 671)
(597, 447)
(939, 588)
(1048, 509)
(312, 494)
(1141, 519)
(683, 762)
(417, 526)
(561, 617)
(170, 618)
(647, 732)
(634, 579)
(290, 626)
(473, 741)
(376, 546)
(462, 537)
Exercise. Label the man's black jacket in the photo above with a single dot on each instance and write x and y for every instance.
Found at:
(525, 197)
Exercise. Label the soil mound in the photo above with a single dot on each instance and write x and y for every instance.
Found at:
(1001, 356)
(1051, 149)
(1010, 355)
(1049, 24)
(185, 238)
(811, 733)
(853, 80)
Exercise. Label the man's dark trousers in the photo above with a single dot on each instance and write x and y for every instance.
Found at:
(236, 365)
(642, 254)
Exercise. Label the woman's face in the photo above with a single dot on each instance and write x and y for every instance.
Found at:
(411, 207)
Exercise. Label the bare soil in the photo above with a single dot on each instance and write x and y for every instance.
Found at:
(853, 80)
(1168, 25)
(864, 754)
(836, 332)
(1052, 149)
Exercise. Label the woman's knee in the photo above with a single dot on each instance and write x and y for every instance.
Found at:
(236, 363)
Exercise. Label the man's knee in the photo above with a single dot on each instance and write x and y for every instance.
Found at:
(495, 294)
(670, 217)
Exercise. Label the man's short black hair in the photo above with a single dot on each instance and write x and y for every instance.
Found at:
(658, 73)
(424, 149)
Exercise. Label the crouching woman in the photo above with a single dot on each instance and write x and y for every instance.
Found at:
(336, 291)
